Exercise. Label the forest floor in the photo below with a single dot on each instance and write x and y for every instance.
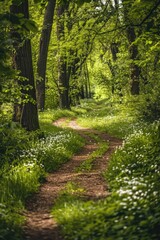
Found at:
(40, 223)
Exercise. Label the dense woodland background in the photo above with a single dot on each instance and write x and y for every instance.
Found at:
(56, 55)
(62, 52)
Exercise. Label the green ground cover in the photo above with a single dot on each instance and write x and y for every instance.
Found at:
(132, 211)
(26, 158)
(116, 119)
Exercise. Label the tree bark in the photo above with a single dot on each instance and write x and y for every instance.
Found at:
(133, 51)
(82, 92)
(134, 68)
(63, 81)
(43, 53)
(63, 76)
(23, 63)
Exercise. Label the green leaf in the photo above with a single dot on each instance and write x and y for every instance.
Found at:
(81, 2)
(30, 25)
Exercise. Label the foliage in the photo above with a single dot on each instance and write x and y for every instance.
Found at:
(12, 140)
(17, 183)
(26, 159)
(90, 31)
(112, 117)
(149, 109)
(53, 150)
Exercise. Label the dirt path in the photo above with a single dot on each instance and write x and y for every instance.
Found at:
(40, 224)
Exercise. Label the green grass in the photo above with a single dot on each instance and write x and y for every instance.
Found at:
(53, 115)
(89, 162)
(102, 147)
(17, 184)
(26, 160)
(132, 210)
(118, 120)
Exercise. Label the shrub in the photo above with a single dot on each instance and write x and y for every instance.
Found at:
(53, 150)
(17, 183)
(13, 139)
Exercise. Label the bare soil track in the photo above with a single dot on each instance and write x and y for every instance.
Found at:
(40, 225)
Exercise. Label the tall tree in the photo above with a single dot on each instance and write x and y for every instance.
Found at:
(63, 76)
(133, 48)
(23, 63)
(43, 53)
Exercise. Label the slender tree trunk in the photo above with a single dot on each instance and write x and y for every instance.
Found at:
(88, 81)
(43, 53)
(82, 92)
(86, 90)
(23, 63)
(17, 109)
(134, 68)
(133, 50)
(63, 84)
(63, 76)
(112, 70)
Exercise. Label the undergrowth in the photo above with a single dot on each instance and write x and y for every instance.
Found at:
(116, 119)
(132, 211)
(25, 160)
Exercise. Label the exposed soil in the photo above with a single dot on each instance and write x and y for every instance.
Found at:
(40, 224)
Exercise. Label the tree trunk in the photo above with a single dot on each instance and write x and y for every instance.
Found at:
(133, 50)
(23, 63)
(86, 90)
(63, 84)
(82, 92)
(88, 80)
(134, 68)
(43, 53)
(63, 76)
(17, 109)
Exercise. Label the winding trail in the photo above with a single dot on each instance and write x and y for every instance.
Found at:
(40, 224)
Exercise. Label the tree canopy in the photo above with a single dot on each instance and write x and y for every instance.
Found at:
(82, 49)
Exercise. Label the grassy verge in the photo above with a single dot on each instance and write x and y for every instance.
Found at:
(117, 119)
(25, 161)
(132, 211)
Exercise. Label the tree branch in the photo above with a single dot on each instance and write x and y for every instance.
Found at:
(135, 25)
(150, 13)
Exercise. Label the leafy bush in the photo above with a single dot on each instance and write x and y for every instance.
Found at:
(11, 221)
(150, 110)
(54, 150)
(17, 183)
(13, 139)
